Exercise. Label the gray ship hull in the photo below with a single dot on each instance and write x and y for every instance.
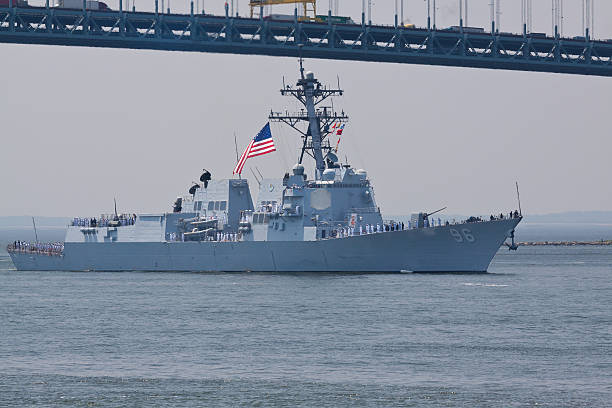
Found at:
(455, 248)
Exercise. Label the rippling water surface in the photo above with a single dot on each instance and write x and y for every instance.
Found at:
(536, 331)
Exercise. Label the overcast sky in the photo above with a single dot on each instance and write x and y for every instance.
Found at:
(81, 126)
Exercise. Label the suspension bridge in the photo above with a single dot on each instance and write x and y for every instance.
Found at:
(457, 46)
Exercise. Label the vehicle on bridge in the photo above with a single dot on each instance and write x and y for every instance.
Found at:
(473, 30)
(324, 18)
(287, 18)
(14, 3)
(93, 5)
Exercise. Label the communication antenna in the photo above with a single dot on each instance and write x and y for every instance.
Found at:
(116, 215)
(518, 198)
(255, 175)
(237, 156)
(260, 175)
(35, 232)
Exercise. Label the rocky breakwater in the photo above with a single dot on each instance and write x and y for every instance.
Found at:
(567, 243)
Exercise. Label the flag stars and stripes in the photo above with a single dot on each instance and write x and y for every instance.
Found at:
(260, 145)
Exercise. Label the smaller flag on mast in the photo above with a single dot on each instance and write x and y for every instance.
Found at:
(339, 132)
(260, 145)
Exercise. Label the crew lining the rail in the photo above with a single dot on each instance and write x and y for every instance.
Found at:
(41, 248)
(104, 221)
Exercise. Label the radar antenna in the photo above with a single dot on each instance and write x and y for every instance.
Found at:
(310, 93)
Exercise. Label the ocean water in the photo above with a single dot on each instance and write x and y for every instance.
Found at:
(535, 331)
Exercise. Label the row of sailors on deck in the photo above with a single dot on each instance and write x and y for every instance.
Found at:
(512, 215)
(220, 237)
(50, 248)
(123, 219)
(367, 229)
(375, 229)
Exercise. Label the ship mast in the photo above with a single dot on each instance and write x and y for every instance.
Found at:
(311, 94)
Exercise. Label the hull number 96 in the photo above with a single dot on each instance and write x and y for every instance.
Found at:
(465, 235)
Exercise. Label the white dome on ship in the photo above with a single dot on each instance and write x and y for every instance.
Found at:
(298, 169)
(362, 174)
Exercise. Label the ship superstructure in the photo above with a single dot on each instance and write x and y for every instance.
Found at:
(328, 222)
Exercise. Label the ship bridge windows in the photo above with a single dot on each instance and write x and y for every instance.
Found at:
(197, 206)
(268, 206)
(217, 205)
(261, 218)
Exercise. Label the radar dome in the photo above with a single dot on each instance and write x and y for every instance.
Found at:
(362, 174)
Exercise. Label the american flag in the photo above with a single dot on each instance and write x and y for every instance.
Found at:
(260, 145)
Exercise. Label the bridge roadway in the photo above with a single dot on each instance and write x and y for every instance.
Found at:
(222, 34)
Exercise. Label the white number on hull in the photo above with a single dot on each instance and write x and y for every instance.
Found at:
(464, 235)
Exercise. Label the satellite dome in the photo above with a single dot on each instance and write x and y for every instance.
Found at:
(298, 170)
(362, 174)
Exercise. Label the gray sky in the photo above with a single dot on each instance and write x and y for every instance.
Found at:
(81, 126)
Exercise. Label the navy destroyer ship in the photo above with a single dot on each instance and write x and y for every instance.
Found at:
(329, 222)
